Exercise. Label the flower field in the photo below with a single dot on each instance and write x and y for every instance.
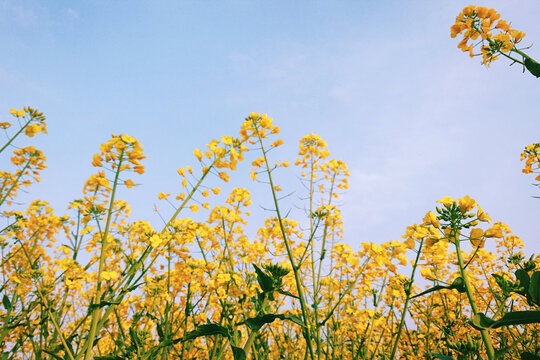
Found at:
(97, 284)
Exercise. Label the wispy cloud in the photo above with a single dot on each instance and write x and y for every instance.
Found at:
(17, 13)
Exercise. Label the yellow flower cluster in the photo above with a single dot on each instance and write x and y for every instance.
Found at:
(531, 155)
(481, 23)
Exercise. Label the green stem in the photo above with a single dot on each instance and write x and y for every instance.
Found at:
(96, 312)
(295, 269)
(253, 333)
(485, 334)
(15, 182)
(17, 134)
(405, 306)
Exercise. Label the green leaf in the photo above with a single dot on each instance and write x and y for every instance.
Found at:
(257, 322)
(206, 330)
(6, 302)
(532, 66)
(266, 282)
(481, 321)
(534, 287)
(529, 356)
(238, 353)
(501, 281)
(523, 278)
(286, 293)
(134, 336)
(441, 356)
(458, 285)
(53, 354)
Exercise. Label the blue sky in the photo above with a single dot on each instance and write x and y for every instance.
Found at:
(382, 82)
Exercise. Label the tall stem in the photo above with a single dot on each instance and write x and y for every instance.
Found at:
(295, 269)
(96, 312)
(485, 334)
(406, 305)
(17, 134)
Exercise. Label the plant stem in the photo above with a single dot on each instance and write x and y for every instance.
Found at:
(485, 334)
(17, 134)
(295, 269)
(405, 306)
(96, 312)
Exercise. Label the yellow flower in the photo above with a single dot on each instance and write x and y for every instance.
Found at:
(18, 113)
(194, 208)
(482, 12)
(96, 161)
(483, 216)
(32, 129)
(476, 237)
(156, 240)
(129, 183)
(277, 143)
(466, 204)
(446, 201)
(198, 154)
(409, 243)
(495, 231)
(431, 219)
(503, 25)
(216, 191)
(223, 175)
(162, 196)
(469, 10)
(109, 275)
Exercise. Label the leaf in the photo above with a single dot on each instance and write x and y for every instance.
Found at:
(534, 287)
(441, 356)
(286, 293)
(523, 278)
(93, 306)
(6, 302)
(135, 341)
(53, 354)
(206, 330)
(481, 321)
(457, 284)
(266, 282)
(238, 353)
(213, 329)
(295, 319)
(257, 322)
(532, 66)
(529, 356)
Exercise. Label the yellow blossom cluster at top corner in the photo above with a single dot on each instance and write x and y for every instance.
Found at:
(480, 22)
(531, 155)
